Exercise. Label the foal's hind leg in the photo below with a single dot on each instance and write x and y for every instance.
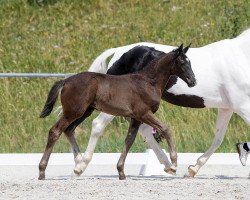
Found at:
(98, 126)
(70, 134)
(223, 118)
(132, 131)
(152, 120)
(53, 136)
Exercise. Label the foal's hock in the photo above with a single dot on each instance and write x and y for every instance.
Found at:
(134, 95)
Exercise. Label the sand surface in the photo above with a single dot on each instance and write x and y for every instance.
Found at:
(101, 182)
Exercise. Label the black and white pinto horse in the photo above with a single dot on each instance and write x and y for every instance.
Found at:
(222, 70)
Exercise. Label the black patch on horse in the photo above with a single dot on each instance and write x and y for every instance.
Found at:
(134, 60)
(137, 59)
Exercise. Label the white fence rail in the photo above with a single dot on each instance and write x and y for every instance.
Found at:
(12, 75)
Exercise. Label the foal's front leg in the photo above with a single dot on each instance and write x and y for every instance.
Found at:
(153, 121)
(132, 132)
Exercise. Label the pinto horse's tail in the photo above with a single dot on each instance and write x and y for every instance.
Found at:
(100, 65)
(51, 99)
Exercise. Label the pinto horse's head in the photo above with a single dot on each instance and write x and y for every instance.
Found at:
(182, 66)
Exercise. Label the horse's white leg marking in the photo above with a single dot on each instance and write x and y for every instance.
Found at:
(222, 121)
(98, 126)
(244, 112)
(146, 131)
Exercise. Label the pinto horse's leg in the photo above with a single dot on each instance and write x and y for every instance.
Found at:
(98, 126)
(153, 121)
(222, 121)
(132, 132)
(53, 136)
(244, 112)
(146, 131)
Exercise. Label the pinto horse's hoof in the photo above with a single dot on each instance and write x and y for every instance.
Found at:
(74, 175)
(191, 171)
(77, 172)
(170, 170)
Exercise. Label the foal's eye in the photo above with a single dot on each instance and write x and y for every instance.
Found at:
(182, 61)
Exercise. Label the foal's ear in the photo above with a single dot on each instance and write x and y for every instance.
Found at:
(179, 50)
(186, 48)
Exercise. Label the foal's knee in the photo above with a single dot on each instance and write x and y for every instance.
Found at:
(166, 132)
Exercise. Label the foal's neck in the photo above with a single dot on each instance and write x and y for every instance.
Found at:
(159, 70)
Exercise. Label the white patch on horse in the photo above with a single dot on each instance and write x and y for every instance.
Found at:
(223, 80)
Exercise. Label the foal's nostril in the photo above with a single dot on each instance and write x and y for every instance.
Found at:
(194, 82)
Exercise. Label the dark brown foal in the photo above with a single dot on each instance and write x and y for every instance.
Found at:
(134, 95)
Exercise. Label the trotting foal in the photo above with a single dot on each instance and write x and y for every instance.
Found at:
(134, 95)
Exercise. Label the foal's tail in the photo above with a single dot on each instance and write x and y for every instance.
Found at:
(100, 65)
(51, 99)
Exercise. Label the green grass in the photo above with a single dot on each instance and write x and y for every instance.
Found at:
(65, 37)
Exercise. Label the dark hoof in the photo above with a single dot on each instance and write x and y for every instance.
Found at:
(41, 177)
(122, 177)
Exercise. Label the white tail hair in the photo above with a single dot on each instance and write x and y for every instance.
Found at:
(100, 65)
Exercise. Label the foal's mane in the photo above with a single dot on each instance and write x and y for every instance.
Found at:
(151, 68)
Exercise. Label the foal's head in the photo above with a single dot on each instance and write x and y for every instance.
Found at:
(182, 66)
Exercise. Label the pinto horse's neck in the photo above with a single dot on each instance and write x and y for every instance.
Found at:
(159, 70)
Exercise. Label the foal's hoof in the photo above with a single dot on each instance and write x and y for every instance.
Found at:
(122, 177)
(191, 171)
(170, 170)
(41, 177)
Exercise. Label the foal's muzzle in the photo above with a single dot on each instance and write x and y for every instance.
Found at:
(191, 81)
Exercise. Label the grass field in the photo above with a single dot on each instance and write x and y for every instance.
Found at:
(65, 37)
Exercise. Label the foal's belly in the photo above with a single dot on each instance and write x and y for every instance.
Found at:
(113, 108)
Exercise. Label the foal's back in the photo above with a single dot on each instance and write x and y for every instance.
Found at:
(117, 95)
